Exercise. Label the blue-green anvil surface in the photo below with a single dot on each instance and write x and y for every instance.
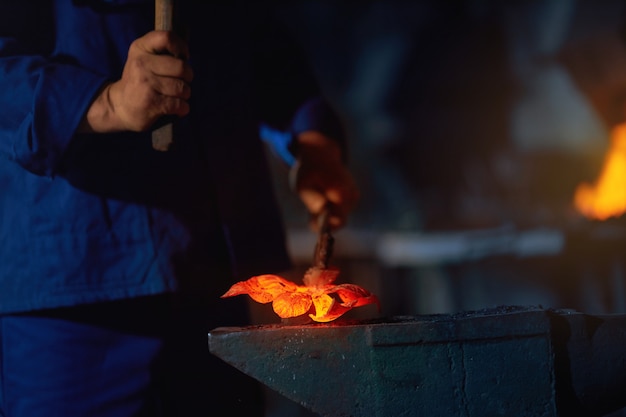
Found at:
(509, 361)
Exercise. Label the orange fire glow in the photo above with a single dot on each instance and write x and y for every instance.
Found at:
(323, 303)
(607, 197)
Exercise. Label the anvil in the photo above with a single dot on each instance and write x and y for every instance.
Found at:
(507, 361)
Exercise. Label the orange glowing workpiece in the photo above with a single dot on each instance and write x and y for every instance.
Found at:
(323, 303)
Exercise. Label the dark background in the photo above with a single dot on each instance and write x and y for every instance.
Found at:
(470, 125)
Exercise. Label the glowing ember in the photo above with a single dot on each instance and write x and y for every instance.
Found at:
(323, 303)
(607, 197)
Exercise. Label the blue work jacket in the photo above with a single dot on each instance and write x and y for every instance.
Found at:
(87, 218)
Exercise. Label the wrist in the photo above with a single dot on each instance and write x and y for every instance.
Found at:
(100, 117)
(312, 143)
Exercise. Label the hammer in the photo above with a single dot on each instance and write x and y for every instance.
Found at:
(162, 136)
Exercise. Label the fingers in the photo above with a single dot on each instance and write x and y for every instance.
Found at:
(329, 186)
(155, 81)
(160, 42)
(340, 198)
(337, 214)
(163, 54)
(337, 218)
(169, 66)
(322, 180)
(172, 87)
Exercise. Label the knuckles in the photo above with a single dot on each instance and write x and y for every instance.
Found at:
(145, 96)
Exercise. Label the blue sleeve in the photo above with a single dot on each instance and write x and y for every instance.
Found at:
(280, 141)
(43, 101)
(315, 114)
(290, 99)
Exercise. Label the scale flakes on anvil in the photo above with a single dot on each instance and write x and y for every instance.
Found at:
(319, 297)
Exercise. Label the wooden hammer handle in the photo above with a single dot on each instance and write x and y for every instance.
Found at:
(164, 15)
(163, 136)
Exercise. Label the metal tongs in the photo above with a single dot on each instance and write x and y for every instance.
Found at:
(321, 273)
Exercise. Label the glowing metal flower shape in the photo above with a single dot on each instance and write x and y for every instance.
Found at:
(324, 302)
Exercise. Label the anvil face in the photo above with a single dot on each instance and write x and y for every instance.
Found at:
(490, 363)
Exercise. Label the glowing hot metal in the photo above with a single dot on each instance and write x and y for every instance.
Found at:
(323, 303)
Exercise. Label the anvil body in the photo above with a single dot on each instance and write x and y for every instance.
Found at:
(509, 361)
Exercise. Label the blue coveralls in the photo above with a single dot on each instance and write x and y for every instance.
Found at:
(113, 255)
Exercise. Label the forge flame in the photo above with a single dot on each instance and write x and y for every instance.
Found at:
(323, 303)
(607, 197)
